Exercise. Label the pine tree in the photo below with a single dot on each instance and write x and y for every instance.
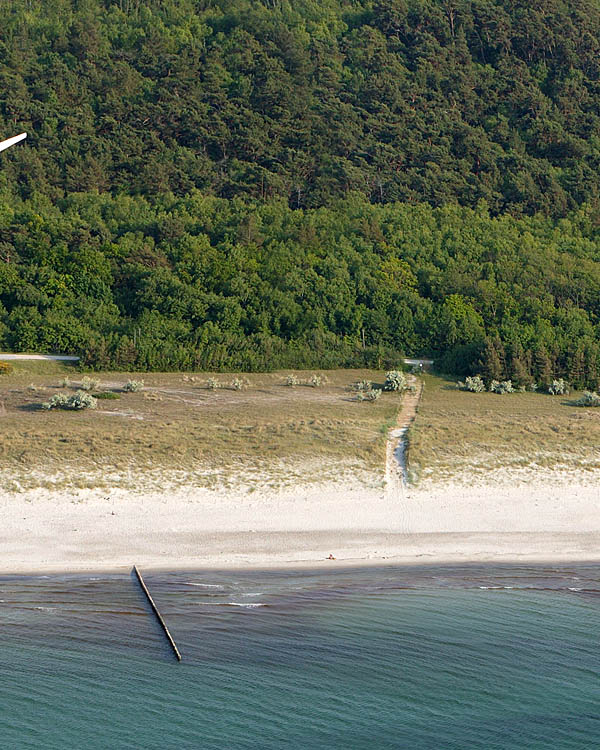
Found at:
(592, 377)
(491, 362)
(576, 367)
(542, 365)
(518, 370)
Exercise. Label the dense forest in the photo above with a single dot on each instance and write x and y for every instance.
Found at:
(236, 184)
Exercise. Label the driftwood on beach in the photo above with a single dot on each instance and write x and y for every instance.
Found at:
(156, 611)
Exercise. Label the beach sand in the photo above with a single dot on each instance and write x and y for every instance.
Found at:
(532, 517)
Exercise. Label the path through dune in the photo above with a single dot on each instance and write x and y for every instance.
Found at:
(395, 467)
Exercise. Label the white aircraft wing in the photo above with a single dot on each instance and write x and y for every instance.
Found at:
(12, 141)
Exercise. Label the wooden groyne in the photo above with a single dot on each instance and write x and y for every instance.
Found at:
(159, 617)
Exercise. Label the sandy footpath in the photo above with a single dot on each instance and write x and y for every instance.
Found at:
(534, 518)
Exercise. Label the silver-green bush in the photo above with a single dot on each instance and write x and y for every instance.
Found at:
(58, 401)
(212, 384)
(474, 384)
(133, 386)
(395, 380)
(76, 402)
(371, 395)
(589, 398)
(315, 381)
(89, 384)
(558, 387)
(292, 380)
(504, 386)
(362, 385)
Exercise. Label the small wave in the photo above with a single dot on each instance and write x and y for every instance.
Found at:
(574, 588)
(489, 588)
(204, 585)
(258, 593)
(245, 605)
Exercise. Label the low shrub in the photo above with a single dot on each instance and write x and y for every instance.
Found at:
(75, 402)
(5, 368)
(212, 384)
(58, 401)
(589, 398)
(558, 388)
(106, 395)
(64, 383)
(473, 384)
(292, 380)
(371, 395)
(133, 386)
(315, 381)
(395, 381)
(89, 384)
(238, 384)
(362, 385)
(504, 386)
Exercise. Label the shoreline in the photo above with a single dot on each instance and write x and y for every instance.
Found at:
(323, 565)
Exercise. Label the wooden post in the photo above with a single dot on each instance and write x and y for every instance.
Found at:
(159, 617)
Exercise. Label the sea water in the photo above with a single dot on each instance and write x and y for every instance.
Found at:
(415, 658)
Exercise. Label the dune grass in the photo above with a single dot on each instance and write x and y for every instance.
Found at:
(177, 424)
(457, 432)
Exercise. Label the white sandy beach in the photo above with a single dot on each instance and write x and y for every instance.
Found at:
(549, 517)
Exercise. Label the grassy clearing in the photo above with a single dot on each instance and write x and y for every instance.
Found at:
(457, 432)
(177, 424)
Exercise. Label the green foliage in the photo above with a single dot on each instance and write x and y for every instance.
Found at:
(133, 386)
(395, 381)
(473, 384)
(292, 380)
(207, 301)
(589, 398)
(75, 402)
(107, 395)
(315, 381)
(239, 384)
(258, 186)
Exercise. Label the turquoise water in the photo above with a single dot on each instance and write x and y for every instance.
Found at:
(383, 658)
